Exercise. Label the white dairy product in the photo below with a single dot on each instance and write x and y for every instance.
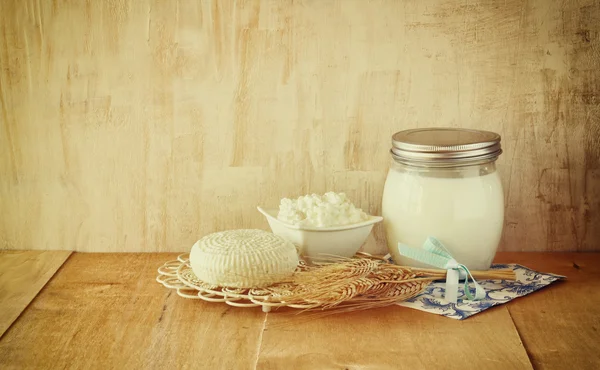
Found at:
(463, 208)
(243, 258)
(330, 209)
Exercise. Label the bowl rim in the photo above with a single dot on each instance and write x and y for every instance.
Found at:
(270, 213)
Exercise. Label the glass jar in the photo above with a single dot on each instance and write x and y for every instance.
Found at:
(443, 183)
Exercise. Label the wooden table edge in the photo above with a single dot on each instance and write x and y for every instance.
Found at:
(52, 271)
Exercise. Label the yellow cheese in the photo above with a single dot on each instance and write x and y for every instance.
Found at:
(243, 258)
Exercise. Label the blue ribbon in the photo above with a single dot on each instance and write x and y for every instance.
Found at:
(435, 254)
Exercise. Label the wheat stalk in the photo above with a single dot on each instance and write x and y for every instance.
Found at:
(350, 284)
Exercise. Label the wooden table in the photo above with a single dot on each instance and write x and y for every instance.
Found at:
(106, 311)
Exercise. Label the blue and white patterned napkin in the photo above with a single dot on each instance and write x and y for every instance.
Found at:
(497, 292)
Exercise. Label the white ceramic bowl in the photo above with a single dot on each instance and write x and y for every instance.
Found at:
(342, 241)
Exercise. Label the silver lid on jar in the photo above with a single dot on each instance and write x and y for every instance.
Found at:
(445, 147)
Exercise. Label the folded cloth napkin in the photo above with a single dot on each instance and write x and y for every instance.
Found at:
(497, 292)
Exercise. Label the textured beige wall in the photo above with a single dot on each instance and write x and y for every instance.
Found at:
(142, 125)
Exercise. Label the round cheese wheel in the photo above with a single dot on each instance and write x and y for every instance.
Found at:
(243, 258)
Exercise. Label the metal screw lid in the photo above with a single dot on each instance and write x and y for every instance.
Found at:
(445, 147)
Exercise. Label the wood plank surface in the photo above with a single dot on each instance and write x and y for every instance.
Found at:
(560, 325)
(393, 338)
(106, 311)
(22, 275)
(142, 125)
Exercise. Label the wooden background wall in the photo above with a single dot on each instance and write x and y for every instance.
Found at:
(140, 125)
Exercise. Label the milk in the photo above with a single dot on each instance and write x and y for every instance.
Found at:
(460, 207)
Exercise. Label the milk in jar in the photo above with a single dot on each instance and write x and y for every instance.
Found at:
(443, 183)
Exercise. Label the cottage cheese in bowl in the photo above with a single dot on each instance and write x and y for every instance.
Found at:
(327, 224)
(327, 210)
